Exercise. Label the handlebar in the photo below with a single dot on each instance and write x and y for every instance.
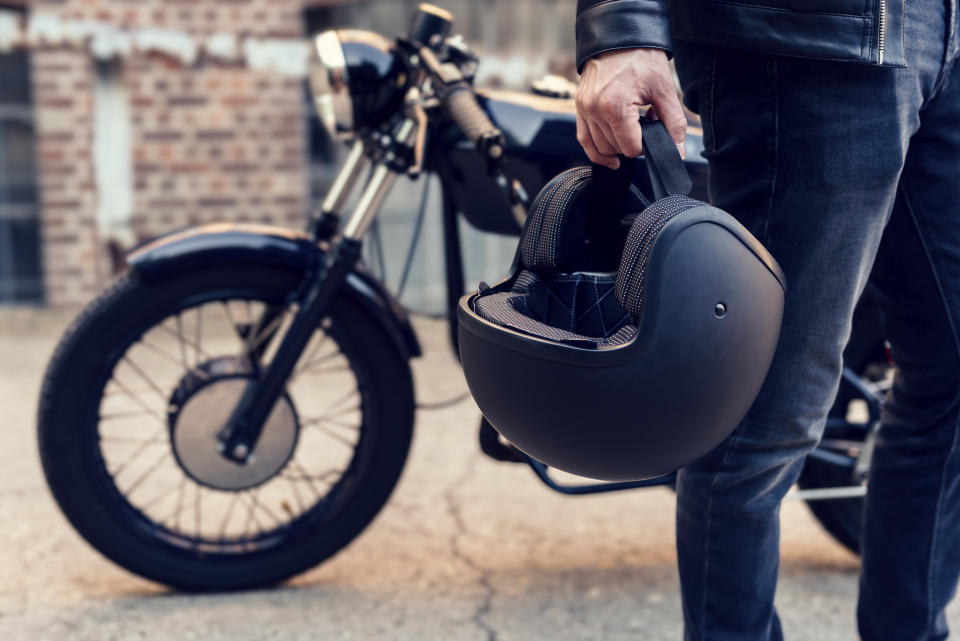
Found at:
(460, 103)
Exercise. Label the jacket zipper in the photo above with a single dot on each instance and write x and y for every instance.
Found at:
(882, 31)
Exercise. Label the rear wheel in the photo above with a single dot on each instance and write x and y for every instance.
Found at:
(141, 383)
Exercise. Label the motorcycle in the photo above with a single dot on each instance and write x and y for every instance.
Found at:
(238, 405)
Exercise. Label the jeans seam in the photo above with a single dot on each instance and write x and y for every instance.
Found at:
(709, 527)
(712, 101)
(953, 443)
(947, 61)
(774, 88)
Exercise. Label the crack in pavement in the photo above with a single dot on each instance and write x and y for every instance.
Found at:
(483, 579)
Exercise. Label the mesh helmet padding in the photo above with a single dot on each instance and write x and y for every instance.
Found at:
(560, 221)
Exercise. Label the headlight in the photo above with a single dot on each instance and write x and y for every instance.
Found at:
(357, 80)
(330, 86)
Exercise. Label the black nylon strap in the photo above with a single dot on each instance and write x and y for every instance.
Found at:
(609, 187)
(668, 174)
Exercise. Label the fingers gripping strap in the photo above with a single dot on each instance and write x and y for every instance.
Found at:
(640, 241)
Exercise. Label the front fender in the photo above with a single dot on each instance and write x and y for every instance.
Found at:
(222, 243)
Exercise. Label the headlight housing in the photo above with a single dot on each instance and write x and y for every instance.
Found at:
(357, 80)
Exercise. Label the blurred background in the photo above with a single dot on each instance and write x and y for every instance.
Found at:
(121, 120)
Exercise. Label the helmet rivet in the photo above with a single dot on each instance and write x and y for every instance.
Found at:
(720, 310)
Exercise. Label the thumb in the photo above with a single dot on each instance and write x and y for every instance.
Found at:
(668, 111)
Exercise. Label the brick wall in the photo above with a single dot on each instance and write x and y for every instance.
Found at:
(63, 109)
(208, 142)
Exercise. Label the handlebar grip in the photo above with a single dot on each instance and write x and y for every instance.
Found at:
(461, 104)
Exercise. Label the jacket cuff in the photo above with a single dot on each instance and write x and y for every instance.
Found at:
(622, 24)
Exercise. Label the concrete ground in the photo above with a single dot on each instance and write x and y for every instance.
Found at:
(467, 549)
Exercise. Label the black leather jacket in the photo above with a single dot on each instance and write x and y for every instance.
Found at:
(866, 31)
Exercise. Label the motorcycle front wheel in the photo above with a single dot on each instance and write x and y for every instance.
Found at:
(146, 376)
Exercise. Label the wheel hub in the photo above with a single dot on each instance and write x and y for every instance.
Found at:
(201, 405)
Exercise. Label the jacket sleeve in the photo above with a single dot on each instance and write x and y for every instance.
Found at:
(606, 25)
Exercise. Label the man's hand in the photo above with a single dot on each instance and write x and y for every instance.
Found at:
(612, 89)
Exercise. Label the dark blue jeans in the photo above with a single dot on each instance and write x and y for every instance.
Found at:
(839, 169)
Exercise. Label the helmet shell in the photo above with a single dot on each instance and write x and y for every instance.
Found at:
(706, 338)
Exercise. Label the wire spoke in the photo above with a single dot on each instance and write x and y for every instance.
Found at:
(256, 503)
(109, 438)
(311, 359)
(226, 518)
(320, 344)
(162, 353)
(146, 505)
(184, 343)
(124, 415)
(296, 494)
(149, 381)
(346, 397)
(334, 435)
(146, 474)
(152, 439)
(305, 476)
(252, 519)
(136, 399)
(254, 342)
(330, 422)
(233, 322)
(326, 370)
(179, 506)
(341, 412)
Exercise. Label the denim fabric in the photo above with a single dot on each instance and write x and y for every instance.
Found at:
(837, 169)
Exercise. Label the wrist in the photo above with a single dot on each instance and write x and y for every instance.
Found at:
(642, 56)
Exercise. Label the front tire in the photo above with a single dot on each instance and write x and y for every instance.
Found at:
(292, 521)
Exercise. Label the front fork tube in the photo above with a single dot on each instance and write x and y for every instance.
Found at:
(323, 227)
(239, 436)
(326, 224)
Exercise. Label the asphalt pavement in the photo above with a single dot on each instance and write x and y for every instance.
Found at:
(467, 548)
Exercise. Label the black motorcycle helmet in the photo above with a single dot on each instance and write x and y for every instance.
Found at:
(630, 337)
